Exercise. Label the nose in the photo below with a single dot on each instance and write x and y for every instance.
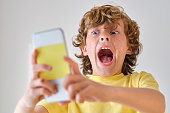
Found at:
(104, 39)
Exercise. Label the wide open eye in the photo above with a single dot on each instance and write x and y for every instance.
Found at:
(114, 32)
(95, 32)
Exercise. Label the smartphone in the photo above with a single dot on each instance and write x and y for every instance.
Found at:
(51, 48)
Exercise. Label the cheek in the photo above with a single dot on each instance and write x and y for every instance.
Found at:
(121, 46)
(88, 44)
(91, 43)
(91, 48)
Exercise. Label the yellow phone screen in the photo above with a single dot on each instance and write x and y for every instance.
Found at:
(53, 55)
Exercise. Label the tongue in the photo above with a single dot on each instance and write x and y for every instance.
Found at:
(106, 59)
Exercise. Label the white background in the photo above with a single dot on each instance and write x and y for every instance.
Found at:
(19, 19)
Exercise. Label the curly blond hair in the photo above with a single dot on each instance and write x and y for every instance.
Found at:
(109, 14)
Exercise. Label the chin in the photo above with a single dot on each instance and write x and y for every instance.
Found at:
(105, 73)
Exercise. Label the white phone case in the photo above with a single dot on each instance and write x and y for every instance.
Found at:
(47, 38)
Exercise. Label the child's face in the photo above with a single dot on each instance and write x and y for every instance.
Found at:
(106, 48)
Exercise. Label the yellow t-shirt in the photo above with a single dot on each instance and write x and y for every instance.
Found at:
(136, 80)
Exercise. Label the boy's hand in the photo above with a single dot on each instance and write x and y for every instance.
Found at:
(37, 87)
(82, 89)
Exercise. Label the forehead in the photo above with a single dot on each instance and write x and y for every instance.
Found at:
(117, 25)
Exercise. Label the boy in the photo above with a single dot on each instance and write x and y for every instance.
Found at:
(109, 43)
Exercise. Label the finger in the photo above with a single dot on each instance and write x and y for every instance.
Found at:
(41, 91)
(34, 57)
(73, 89)
(70, 79)
(74, 66)
(63, 103)
(41, 67)
(89, 99)
(78, 99)
(44, 84)
(85, 95)
(34, 76)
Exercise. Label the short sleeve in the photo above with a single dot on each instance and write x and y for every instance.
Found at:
(53, 107)
(146, 80)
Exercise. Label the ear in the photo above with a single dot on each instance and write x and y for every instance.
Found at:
(129, 51)
(84, 50)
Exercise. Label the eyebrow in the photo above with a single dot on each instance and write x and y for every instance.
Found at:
(112, 25)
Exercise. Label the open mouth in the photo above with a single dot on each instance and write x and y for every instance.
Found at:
(105, 55)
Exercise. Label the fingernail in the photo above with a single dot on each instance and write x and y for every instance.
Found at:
(36, 51)
(42, 80)
(64, 57)
(49, 67)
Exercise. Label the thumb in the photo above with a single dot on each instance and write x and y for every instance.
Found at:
(73, 65)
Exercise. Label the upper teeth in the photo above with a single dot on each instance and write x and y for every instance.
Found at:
(105, 48)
